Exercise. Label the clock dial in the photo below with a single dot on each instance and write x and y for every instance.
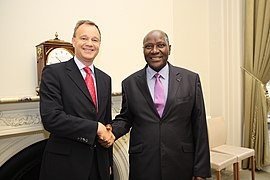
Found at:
(51, 52)
(58, 55)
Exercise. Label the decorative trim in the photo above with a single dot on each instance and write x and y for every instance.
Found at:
(33, 98)
(19, 100)
(120, 158)
(19, 119)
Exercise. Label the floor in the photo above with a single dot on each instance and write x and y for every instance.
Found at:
(244, 175)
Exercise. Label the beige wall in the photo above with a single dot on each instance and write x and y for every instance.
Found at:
(123, 24)
(191, 40)
(206, 37)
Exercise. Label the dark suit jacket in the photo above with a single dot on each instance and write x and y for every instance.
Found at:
(68, 113)
(172, 147)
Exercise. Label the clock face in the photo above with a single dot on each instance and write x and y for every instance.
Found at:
(58, 55)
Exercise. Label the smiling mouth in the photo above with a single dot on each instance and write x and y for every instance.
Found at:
(88, 50)
(156, 58)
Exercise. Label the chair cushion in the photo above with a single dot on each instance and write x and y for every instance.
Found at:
(220, 161)
(241, 152)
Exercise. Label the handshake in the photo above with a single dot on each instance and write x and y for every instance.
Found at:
(105, 135)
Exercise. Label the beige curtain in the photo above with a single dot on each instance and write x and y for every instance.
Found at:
(257, 74)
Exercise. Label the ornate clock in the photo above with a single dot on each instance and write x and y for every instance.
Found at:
(52, 51)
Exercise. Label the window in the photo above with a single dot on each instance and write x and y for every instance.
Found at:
(268, 87)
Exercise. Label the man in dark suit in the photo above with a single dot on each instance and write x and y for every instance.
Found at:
(74, 118)
(168, 137)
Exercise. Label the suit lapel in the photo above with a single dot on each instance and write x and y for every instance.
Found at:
(143, 87)
(175, 80)
(101, 87)
(76, 76)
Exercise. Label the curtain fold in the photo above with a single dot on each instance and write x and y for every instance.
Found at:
(257, 74)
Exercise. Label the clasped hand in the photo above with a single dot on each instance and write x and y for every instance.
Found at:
(105, 135)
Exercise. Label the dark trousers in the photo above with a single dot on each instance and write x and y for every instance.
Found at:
(94, 174)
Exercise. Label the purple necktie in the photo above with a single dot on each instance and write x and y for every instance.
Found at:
(159, 97)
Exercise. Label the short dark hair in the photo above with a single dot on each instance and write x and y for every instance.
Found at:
(165, 34)
(81, 22)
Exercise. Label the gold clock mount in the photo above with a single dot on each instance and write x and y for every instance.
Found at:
(50, 52)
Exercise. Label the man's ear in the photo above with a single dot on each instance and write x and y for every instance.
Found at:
(73, 41)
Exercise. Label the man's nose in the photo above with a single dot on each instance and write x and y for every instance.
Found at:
(89, 42)
(155, 49)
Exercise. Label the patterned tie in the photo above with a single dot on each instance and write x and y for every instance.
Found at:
(159, 97)
(90, 84)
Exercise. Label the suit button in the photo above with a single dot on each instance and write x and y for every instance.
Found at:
(93, 146)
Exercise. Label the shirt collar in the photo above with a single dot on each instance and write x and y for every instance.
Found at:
(163, 72)
(81, 65)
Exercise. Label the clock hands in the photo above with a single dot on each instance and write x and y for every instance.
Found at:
(58, 59)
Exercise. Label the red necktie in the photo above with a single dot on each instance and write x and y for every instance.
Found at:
(90, 84)
(159, 97)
